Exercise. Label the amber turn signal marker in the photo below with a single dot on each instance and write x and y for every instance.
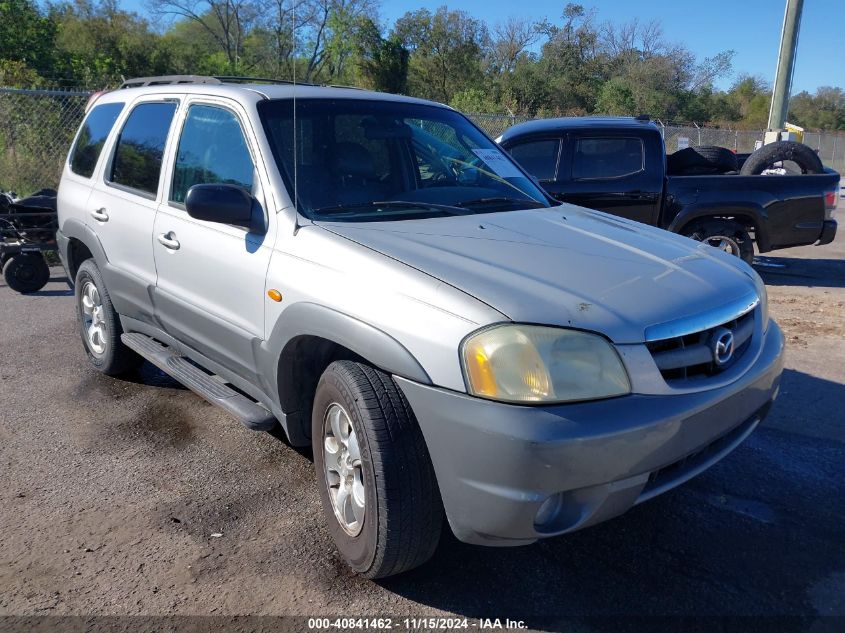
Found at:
(274, 294)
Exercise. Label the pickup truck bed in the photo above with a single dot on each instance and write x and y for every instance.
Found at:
(785, 210)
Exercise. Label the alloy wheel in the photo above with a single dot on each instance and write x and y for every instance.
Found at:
(93, 319)
(343, 469)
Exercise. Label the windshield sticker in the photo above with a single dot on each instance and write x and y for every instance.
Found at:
(496, 161)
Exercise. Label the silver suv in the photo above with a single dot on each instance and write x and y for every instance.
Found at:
(373, 274)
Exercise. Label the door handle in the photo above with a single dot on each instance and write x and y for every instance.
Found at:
(100, 214)
(168, 240)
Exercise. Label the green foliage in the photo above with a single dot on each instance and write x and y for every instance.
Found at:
(382, 63)
(570, 65)
(26, 34)
(446, 51)
(16, 74)
(616, 98)
(474, 100)
(824, 110)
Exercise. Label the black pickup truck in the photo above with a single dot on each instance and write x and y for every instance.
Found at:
(619, 165)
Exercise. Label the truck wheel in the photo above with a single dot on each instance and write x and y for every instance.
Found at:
(99, 325)
(26, 272)
(376, 481)
(727, 235)
(790, 151)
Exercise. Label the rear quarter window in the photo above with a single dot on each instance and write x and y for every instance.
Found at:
(91, 138)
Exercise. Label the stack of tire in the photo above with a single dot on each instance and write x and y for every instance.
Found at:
(701, 161)
(781, 157)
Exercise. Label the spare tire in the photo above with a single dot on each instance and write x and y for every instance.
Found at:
(798, 153)
(707, 159)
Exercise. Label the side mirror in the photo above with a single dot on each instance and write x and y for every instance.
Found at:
(226, 204)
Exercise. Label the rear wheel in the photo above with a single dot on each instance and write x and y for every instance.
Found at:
(726, 235)
(376, 481)
(99, 325)
(26, 272)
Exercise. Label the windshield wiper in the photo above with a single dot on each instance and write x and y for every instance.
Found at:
(502, 200)
(391, 204)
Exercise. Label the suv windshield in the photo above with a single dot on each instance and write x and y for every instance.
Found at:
(365, 160)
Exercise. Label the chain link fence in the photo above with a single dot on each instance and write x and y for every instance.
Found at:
(36, 130)
(37, 127)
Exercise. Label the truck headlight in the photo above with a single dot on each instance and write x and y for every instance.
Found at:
(532, 363)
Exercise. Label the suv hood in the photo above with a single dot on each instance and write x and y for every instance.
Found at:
(564, 266)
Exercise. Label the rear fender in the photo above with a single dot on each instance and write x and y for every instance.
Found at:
(752, 213)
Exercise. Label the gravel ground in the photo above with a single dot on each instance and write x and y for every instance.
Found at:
(136, 497)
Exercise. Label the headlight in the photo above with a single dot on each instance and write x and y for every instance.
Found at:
(764, 298)
(531, 363)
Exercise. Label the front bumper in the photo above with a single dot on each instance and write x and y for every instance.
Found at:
(497, 464)
(828, 232)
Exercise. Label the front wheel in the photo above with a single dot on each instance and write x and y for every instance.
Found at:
(726, 235)
(377, 484)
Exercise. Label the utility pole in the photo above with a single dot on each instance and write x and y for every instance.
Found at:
(786, 64)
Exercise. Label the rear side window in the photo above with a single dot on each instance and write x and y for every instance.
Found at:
(140, 147)
(539, 158)
(600, 158)
(92, 137)
(212, 149)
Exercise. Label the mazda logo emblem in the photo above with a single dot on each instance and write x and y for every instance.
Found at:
(722, 346)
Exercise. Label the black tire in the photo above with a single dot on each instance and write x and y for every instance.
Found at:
(707, 159)
(717, 232)
(26, 272)
(765, 157)
(403, 513)
(114, 358)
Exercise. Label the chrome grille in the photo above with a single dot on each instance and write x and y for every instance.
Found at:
(692, 356)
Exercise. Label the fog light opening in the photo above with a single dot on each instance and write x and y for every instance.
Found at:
(548, 512)
(564, 511)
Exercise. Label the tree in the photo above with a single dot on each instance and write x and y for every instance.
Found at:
(823, 111)
(329, 26)
(382, 63)
(510, 40)
(99, 44)
(571, 61)
(751, 97)
(616, 98)
(226, 22)
(474, 100)
(26, 35)
(446, 51)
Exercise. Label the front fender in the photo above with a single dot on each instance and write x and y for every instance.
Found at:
(378, 347)
(277, 358)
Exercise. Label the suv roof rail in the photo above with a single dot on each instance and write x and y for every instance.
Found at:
(164, 80)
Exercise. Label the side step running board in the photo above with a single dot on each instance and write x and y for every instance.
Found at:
(251, 414)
